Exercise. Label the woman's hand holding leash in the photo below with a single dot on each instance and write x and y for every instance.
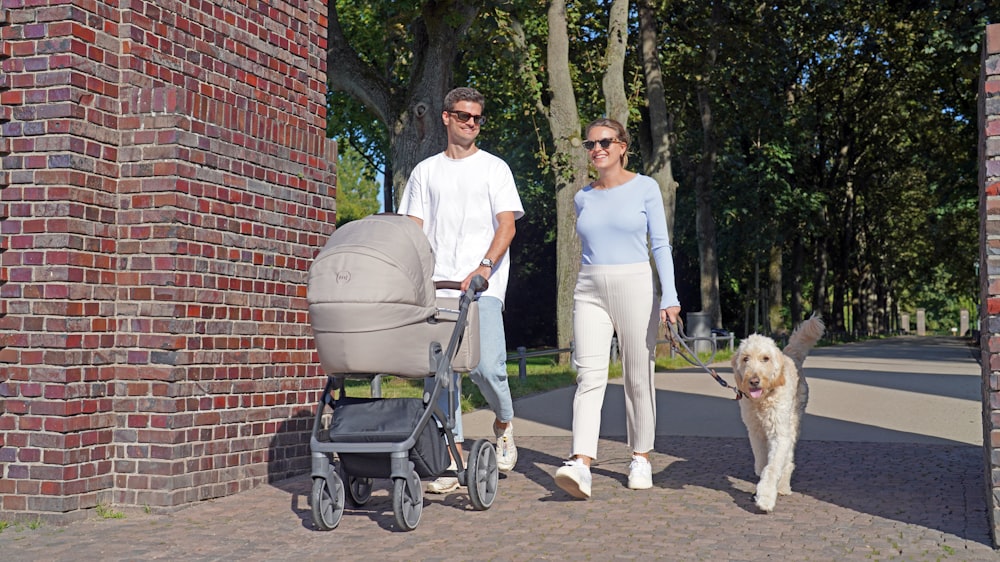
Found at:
(676, 336)
(670, 317)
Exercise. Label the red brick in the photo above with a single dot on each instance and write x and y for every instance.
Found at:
(115, 266)
(993, 39)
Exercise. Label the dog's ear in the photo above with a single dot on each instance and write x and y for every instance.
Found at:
(779, 380)
(787, 367)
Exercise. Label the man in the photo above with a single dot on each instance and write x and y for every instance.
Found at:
(466, 202)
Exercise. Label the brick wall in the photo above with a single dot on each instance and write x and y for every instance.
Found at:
(165, 183)
(989, 214)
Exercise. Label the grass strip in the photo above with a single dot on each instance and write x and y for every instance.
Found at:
(542, 375)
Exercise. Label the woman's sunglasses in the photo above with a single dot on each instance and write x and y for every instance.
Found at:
(463, 116)
(605, 143)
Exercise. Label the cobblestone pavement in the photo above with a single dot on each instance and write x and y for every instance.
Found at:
(852, 501)
(890, 467)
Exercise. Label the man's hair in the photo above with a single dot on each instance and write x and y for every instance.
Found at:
(463, 94)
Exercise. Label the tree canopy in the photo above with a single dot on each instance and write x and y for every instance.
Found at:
(357, 189)
(824, 152)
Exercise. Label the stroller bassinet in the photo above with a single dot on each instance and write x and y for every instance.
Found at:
(374, 310)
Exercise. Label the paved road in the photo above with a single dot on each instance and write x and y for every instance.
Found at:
(890, 468)
(900, 390)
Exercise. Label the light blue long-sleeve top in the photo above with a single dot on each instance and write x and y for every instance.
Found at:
(613, 225)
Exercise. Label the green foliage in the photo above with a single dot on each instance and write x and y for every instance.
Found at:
(380, 33)
(356, 129)
(846, 135)
(105, 511)
(357, 190)
(943, 308)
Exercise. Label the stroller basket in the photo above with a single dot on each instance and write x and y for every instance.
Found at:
(377, 420)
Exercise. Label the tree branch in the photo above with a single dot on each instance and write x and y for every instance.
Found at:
(346, 72)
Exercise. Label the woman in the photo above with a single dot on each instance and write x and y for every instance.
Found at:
(614, 295)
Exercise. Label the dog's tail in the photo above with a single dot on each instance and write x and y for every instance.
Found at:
(804, 338)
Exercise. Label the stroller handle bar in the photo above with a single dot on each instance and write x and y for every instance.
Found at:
(478, 284)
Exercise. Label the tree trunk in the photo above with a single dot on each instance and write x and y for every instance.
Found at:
(798, 262)
(839, 301)
(842, 278)
(820, 290)
(569, 166)
(774, 309)
(656, 130)
(881, 307)
(569, 163)
(613, 83)
(705, 222)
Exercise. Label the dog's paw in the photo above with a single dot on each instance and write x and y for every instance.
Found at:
(765, 502)
(785, 491)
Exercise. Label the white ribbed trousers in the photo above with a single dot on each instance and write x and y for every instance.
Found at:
(608, 300)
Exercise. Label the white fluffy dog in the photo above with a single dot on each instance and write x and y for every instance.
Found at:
(774, 396)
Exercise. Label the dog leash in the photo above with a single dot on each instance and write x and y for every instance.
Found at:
(692, 357)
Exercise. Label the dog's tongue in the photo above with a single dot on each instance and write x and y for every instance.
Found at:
(755, 393)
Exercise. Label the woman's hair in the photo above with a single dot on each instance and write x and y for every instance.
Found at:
(620, 133)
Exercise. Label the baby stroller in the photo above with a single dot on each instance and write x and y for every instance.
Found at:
(373, 311)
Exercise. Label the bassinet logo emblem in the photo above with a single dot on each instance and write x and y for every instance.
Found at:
(343, 277)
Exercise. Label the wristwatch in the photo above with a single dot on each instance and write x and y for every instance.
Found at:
(487, 262)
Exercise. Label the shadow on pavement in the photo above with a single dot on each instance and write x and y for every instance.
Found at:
(935, 486)
(921, 480)
(963, 387)
(287, 457)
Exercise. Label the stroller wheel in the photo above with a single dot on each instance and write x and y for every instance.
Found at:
(327, 502)
(482, 474)
(359, 490)
(407, 501)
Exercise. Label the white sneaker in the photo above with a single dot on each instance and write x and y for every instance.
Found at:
(506, 450)
(444, 484)
(640, 474)
(575, 478)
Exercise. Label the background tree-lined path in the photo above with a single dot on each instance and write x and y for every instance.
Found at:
(812, 155)
(905, 389)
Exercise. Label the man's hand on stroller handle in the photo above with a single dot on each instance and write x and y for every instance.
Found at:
(477, 282)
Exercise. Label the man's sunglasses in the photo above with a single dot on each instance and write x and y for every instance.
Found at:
(605, 143)
(463, 117)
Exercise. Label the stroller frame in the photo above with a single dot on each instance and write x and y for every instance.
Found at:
(333, 485)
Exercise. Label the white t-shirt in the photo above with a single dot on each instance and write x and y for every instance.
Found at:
(458, 202)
